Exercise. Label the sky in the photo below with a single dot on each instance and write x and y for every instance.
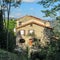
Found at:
(29, 7)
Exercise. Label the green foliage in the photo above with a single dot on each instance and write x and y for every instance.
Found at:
(2, 32)
(58, 18)
(11, 39)
(56, 25)
(49, 13)
(51, 51)
(11, 42)
(5, 55)
(8, 29)
(47, 3)
(52, 4)
(11, 25)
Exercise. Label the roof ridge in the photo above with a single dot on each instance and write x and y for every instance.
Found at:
(32, 17)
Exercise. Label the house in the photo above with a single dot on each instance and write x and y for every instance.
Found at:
(30, 28)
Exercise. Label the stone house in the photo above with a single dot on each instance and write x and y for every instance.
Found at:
(30, 28)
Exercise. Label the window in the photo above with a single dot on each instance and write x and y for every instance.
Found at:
(22, 32)
(31, 31)
(21, 41)
(31, 25)
(20, 23)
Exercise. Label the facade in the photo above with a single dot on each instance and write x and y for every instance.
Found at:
(29, 29)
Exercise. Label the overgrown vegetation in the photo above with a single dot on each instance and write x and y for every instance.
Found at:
(4, 55)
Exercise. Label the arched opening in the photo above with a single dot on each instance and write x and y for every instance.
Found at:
(21, 41)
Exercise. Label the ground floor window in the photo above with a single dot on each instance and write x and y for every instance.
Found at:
(21, 41)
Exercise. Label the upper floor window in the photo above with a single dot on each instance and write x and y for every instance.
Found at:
(22, 32)
(31, 31)
(31, 25)
(20, 23)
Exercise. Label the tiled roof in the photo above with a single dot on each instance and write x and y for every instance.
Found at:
(27, 17)
(34, 22)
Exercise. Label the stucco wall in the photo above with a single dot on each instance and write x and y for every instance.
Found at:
(39, 32)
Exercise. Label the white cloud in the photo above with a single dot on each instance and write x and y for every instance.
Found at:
(18, 15)
(28, 0)
(31, 8)
(11, 16)
(31, 0)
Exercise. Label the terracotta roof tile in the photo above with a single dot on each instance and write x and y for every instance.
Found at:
(33, 22)
(30, 17)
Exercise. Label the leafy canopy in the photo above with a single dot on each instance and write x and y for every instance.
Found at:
(53, 6)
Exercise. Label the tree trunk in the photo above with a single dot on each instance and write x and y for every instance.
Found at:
(8, 13)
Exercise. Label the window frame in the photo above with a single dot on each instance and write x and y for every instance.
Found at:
(20, 23)
(30, 30)
(31, 25)
(23, 32)
(30, 34)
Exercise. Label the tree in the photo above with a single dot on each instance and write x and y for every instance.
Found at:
(12, 37)
(54, 6)
(6, 7)
(56, 27)
(58, 18)
(53, 51)
(1, 29)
